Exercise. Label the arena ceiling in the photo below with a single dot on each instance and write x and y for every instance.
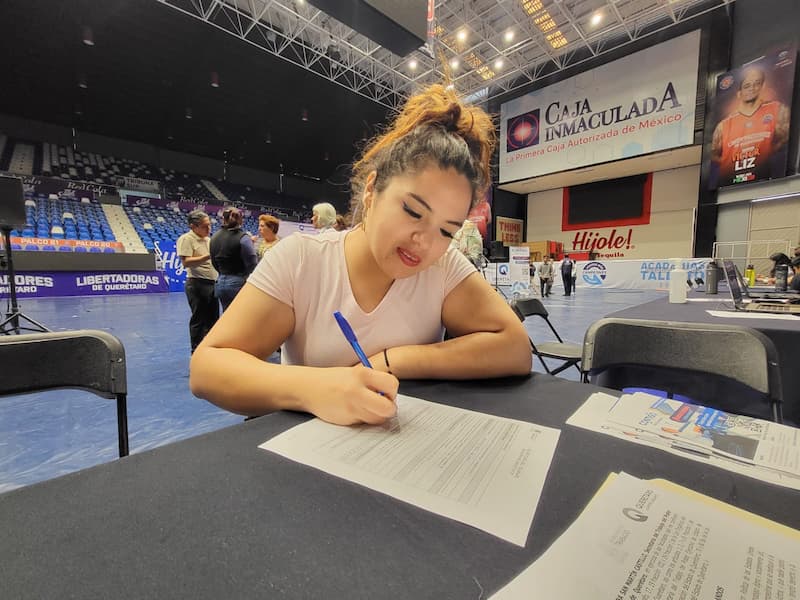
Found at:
(294, 86)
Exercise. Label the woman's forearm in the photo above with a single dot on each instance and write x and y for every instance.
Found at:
(244, 384)
(473, 356)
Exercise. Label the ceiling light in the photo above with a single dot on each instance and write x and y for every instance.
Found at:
(509, 36)
(597, 18)
(304, 115)
(214, 79)
(88, 37)
(450, 87)
(461, 36)
(412, 64)
(454, 63)
(269, 138)
(498, 64)
(188, 113)
(82, 82)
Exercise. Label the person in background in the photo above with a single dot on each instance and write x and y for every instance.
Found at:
(323, 216)
(779, 258)
(340, 224)
(267, 234)
(232, 255)
(566, 274)
(394, 277)
(469, 242)
(193, 248)
(794, 284)
(546, 275)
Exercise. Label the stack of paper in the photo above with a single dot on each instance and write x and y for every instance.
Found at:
(755, 447)
(478, 469)
(640, 540)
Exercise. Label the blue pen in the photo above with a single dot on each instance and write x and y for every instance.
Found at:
(351, 338)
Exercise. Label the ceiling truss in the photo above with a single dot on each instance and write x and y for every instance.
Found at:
(485, 47)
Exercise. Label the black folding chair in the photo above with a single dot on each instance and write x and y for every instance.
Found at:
(88, 360)
(569, 354)
(728, 367)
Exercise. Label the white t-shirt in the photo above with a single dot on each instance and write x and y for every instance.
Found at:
(309, 273)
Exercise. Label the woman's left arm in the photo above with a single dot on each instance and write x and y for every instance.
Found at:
(488, 340)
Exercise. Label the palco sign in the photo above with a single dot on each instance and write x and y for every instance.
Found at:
(638, 104)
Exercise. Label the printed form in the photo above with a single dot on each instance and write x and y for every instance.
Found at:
(648, 540)
(475, 468)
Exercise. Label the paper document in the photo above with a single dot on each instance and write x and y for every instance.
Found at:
(478, 469)
(648, 540)
(730, 314)
(754, 447)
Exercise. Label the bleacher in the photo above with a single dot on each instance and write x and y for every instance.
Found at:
(51, 218)
(154, 224)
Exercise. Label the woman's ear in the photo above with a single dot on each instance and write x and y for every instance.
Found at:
(369, 190)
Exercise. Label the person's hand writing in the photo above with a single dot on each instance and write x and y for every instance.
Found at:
(349, 395)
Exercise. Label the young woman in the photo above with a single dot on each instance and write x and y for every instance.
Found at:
(393, 276)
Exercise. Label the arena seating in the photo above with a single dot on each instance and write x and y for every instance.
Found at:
(54, 218)
(57, 218)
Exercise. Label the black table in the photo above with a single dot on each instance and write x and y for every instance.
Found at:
(785, 334)
(216, 517)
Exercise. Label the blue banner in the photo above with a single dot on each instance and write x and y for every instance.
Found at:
(66, 283)
(174, 271)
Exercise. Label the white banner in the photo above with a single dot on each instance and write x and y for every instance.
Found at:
(648, 274)
(638, 104)
(519, 267)
(137, 184)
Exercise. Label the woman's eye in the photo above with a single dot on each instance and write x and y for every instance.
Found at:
(446, 233)
(411, 212)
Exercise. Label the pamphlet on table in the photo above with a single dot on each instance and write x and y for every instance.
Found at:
(754, 447)
(640, 540)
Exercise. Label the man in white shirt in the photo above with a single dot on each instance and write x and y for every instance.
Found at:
(193, 248)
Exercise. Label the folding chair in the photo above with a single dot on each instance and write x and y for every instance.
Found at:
(569, 353)
(88, 360)
(729, 367)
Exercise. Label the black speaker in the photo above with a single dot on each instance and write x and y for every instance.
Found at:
(498, 252)
(12, 204)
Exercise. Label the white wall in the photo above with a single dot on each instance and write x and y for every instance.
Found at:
(669, 233)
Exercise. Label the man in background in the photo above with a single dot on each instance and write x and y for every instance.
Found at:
(193, 248)
(566, 274)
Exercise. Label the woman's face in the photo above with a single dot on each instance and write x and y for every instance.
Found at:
(410, 224)
(265, 232)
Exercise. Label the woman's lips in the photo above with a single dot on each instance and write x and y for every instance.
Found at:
(408, 259)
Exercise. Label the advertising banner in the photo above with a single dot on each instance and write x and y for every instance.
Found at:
(519, 269)
(25, 242)
(637, 274)
(752, 108)
(174, 271)
(63, 188)
(53, 284)
(642, 103)
(508, 230)
(140, 185)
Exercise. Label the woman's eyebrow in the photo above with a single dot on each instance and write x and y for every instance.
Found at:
(428, 206)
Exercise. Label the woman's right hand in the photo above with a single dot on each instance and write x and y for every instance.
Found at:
(349, 395)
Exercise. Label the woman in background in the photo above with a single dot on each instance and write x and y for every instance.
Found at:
(232, 255)
(268, 234)
(323, 216)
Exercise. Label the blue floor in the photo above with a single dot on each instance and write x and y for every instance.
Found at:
(49, 434)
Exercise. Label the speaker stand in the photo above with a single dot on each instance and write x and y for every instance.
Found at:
(12, 321)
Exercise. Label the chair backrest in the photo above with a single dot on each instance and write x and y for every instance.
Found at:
(531, 306)
(86, 359)
(725, 352)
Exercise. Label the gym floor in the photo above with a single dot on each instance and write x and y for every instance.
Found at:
(49, 434)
